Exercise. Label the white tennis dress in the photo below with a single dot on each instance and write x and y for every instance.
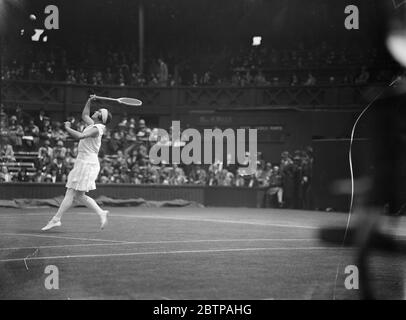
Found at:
(86, 169)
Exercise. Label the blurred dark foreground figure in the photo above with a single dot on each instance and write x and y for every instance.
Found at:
(388, 143)
(379, 168)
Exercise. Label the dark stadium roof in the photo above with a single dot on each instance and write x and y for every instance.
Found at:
(207, 21)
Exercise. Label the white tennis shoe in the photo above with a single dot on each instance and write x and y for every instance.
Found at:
(103, 219)
(51, 224)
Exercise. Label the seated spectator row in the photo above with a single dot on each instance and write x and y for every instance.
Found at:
(249, 66)
(38, 150)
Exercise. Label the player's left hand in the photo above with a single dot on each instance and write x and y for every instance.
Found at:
(67, 124)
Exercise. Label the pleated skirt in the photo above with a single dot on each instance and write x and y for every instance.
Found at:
(83, 175)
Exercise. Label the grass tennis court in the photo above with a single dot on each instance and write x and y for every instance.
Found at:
(181, 253)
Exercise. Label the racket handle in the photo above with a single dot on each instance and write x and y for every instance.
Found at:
(105, 98)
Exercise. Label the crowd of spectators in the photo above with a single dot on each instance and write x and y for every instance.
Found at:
(124, 158)
(249, 66)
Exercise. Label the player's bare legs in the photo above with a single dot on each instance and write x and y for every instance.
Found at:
(67, 202)
(65, 205)
(92, 204)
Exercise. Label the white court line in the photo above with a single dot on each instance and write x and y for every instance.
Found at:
(169, 252)
(189, 219)
(154, 242)
(59, 237)
(22, 215)
(213, 220)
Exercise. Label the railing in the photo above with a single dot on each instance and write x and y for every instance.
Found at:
(64, 97)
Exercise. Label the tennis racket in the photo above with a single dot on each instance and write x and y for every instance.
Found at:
(126, 101)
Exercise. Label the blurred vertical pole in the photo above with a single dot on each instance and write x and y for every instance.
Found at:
(3, 25)
(141, 36)
(1, 69)
(1, 93)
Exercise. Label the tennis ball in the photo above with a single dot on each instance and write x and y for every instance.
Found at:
(33, 17)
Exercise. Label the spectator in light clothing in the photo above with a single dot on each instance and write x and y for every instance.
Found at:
(163, 73)
(32, 131)
(143, 131)
(177, 175)
(8, 153)
(311, 80)
(46, 149)
(5, 176)
(275, 186)
(15, 133)
(59, 150)
(261, 175)
(226, 178)
(58, 133)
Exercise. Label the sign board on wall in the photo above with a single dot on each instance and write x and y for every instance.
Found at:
(269, 133)
(266, 133)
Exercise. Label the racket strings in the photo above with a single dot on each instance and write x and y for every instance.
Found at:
(130, 101)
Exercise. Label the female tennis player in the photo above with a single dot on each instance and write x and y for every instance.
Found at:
(86, 169)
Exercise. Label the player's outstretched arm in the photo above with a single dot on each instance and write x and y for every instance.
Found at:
(86, 111)
(94, 132)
